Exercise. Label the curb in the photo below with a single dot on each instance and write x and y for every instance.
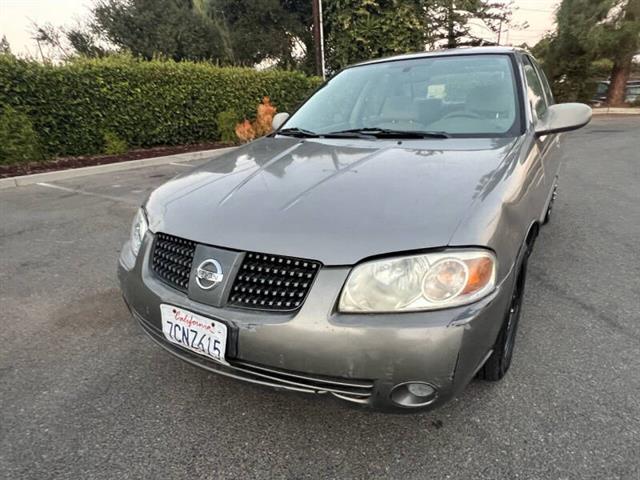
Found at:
(616, 111)
(23, 180)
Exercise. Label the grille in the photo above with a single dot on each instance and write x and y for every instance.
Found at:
(172, 258)
(263, 282)
(271, 282)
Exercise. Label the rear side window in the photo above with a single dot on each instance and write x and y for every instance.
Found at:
(535, 91)
(545, 83)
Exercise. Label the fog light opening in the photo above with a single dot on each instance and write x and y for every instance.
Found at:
(421, 390)
(413, 394)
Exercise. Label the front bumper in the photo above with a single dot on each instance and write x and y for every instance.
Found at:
(356, 357)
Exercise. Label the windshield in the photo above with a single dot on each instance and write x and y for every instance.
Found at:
(458, 95)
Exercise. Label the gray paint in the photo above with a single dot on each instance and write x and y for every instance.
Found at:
(563, 117)
(335, 201)
(319, 341)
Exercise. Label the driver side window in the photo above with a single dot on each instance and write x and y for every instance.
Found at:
(535, 91)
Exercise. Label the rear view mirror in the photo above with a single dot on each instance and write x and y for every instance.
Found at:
(564, 117)
(278, 120)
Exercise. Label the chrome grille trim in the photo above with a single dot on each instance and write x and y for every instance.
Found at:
(334, 381)
(315, 388)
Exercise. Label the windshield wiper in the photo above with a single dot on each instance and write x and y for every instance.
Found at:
(297, 132)
(388, 133)
(355, 133)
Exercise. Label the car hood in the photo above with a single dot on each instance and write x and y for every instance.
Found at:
(336, 201)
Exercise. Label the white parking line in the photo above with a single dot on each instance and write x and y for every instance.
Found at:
(83, 192)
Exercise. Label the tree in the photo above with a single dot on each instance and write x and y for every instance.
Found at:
(618, 39)
(50, 42)
(591, 35)
(172, 28)
(541, 49)
(226, 31)
(64, 43)
(5, 48)
(357, 30)
(301, 11)
(568, 54)
(253, 31)
(450, 21)
(85, 43)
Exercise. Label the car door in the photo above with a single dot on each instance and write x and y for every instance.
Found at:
(548, 146)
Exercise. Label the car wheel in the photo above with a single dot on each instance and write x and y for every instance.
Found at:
(499, 362)
(547, 216)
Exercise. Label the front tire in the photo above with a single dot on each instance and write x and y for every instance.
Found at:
(499, 362)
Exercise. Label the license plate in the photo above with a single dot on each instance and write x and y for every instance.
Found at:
(194, 332)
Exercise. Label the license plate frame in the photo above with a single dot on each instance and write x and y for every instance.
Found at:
(197, 333)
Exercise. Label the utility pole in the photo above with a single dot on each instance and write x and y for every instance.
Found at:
(499, 31)
(318, 36)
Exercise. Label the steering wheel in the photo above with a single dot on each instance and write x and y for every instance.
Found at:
(462, 115)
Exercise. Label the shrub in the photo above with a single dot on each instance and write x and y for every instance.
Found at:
(264, 117)
(247, 131)
(18, 140)
(144, 103)
(226, 122)
(113, 144)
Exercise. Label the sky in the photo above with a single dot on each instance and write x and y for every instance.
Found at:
(18, 16)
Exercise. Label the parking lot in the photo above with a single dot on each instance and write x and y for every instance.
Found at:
(84, 394)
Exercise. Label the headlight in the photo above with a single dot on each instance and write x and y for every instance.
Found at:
(420, 282)
(138, 230)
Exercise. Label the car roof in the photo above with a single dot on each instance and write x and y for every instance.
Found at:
(446, 52)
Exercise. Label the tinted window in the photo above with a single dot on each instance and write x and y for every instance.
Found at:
(535, 92)
(603, 88)
(460, 95)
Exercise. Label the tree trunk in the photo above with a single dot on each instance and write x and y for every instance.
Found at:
(451, 34)
(622, 62)
(619, 77)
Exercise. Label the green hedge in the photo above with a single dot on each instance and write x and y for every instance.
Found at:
(73, 106)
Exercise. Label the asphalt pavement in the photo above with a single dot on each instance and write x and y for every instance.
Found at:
(85, 395)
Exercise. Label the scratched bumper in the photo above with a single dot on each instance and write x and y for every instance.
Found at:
(358, 358)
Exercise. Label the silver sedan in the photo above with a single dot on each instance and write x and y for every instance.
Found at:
(374, 247)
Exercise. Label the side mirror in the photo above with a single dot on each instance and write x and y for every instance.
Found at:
(564, 117)
(278, 120)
